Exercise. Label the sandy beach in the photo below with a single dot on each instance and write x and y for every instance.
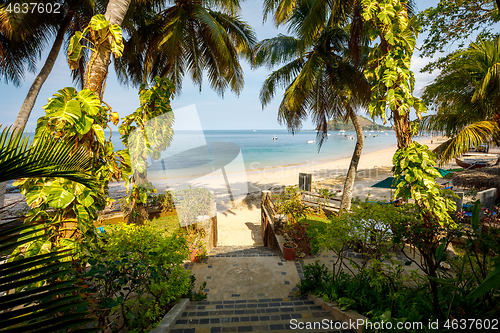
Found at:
(239, 220)
(240, 225)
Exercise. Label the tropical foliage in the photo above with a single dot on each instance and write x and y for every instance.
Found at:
(454, 22)
(415, 166)
(80, 119)
(39, 288)
(423, 291)
(39, 292)
(136, 274)
(51, 158)
(465, 96)
(146, 133)
(389, 63)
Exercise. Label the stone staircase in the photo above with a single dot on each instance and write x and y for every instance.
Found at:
(256, 315)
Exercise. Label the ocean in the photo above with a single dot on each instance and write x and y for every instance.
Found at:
(260, 151)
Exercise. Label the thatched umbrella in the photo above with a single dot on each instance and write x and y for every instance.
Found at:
(481, 179)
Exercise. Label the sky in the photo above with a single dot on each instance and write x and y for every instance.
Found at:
(229, 113)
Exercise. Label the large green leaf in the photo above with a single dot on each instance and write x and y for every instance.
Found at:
(69, 111)
(117, 42)
(90, 101)
(84, 124)
(75, 50)
(58, 196)
(99, 133)
(98, 22)
(36, 196)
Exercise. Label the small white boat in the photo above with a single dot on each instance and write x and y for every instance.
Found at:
(311, 141)
(342, 131)
(328, 134)
(275, 137)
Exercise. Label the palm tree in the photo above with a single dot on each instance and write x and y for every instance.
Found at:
(22, 39)
(344, 13)
(188, 37)
(320, 79)
(96, 69)
(29, 33)
(466, 95)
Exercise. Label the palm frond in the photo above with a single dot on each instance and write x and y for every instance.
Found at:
(48, 158)
(39, 293)
(281, 77)
(471, 135)
(273, 51)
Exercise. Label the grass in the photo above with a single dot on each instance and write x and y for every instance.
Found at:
(316, 227)
(166, 224)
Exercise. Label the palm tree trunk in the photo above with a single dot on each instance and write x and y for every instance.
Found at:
(97, 67)
(402, 129)
(353, 167)
(29, 101)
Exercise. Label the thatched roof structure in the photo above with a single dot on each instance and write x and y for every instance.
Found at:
(481, 179)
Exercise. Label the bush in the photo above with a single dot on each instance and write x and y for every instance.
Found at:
(136, 275)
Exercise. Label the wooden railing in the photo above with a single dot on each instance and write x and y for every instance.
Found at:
(270, 217)
(315, 199)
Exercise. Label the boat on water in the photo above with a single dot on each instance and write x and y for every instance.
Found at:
(476, 161)
(275, 137)
(311, 141)
(342, 131)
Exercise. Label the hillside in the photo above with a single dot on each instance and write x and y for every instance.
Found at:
(366, 123)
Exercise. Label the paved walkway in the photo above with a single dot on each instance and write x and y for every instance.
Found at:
(246, 272)
(250, 289)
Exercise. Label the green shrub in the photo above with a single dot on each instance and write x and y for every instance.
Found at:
(137, 274)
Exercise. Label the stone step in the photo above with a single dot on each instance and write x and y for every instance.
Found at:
(243, 251)
(258, 315)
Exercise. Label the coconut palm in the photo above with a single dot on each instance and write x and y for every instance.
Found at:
(320, 81)
(25, 35)
(96, 70)
(466, 96)
(194, 37)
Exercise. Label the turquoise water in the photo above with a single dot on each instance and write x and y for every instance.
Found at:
(259, 150)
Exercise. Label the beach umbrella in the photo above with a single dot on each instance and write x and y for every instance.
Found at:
(386, 183)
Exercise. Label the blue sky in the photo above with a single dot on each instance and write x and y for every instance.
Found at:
(231, 112)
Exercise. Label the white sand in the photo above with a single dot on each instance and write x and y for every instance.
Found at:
(239, 224)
